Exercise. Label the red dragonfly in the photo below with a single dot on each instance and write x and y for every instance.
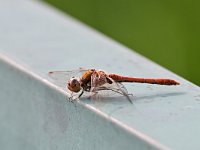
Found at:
(94, 81)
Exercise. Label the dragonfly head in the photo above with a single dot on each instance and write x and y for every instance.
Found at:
(74, 85)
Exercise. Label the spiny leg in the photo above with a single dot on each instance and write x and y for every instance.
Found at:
(81, 94)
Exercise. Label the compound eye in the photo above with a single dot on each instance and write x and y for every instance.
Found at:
(74, 85)
(74, 82)
(68, 83)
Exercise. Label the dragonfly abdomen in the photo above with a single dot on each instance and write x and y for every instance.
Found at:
(119, 78)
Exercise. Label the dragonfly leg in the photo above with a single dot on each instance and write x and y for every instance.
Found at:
(71, 99)
(93, 95)
(81, 93)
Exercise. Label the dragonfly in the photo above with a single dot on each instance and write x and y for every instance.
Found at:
(94, 81)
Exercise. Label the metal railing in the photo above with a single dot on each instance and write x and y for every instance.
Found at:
(35, 114)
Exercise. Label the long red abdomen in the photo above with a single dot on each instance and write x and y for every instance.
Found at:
(119, 78)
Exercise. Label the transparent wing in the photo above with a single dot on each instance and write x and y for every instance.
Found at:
(95, 81)
(60, 78)
(110, 92)
(120, 88)
(113, 90)
(99, 86)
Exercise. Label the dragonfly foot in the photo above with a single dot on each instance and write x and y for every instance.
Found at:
(71, 99)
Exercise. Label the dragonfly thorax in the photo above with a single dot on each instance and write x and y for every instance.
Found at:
(74, 84)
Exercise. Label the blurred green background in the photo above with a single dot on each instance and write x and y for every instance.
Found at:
(167, 32)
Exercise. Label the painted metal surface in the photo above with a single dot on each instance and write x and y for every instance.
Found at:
(34, 113)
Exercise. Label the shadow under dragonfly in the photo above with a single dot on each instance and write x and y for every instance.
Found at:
(161, 95)
(121, 99)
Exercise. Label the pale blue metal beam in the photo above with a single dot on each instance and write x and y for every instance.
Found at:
(34, 113)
